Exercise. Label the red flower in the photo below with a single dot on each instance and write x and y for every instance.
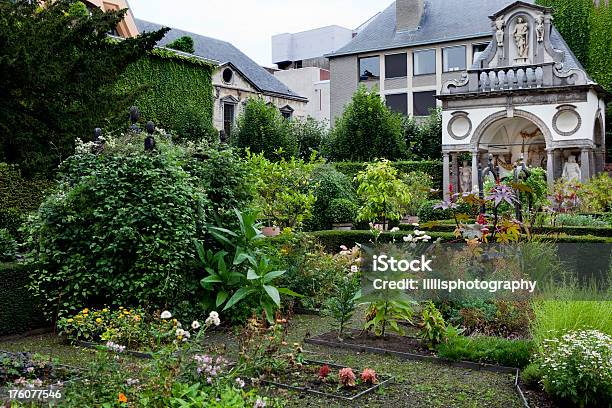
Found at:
(369, 376)
(324, 371)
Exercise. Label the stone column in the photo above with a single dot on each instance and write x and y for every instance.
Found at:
(455, 168)
(475, 160)
(592, 171)
(445, 175)
(550, 167)
(585, 165)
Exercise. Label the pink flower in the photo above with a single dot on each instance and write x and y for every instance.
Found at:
(369, 376)
(347, 377)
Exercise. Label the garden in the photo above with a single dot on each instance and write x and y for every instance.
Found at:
(152, 264)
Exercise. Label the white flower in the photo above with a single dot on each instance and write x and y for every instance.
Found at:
(415, 224)
(213, 318)
(259, 403)
(354, 268)
(408, 238)
(195, 325)
(395, 229)
(187, 334)
(166, 315)
(180, 332)
(240, 382)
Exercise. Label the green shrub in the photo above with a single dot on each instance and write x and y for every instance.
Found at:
(432, 168)
(367, 130)
(578, 367)
(427, 212)
(184, 43)
(342, 210)
(262, 129)
(426, 141)
(538, 185)
(329, 185)
(19, 196)
(341, 305)
(432, 326)
(595, 194)
(532, 375)
(8, 246)
(20, 311)
(490, 350)
(382, 193)
(309, 134)
(420, 185)
(577, 220)
(119, 230)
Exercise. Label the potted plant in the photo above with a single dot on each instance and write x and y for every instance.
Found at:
(342, 212)
(270, 230)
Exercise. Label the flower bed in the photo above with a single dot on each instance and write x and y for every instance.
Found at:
(25, 371)
(329, 380)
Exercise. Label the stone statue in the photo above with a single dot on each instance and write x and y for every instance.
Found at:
(571, 170)
(465, 178)
(499, 34)
(521, 38)
(540, 27)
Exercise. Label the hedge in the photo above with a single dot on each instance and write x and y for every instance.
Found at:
(19, 196)
(433, 168)
(332, 240)
(178, 92)
(606, 232)
(20, 311)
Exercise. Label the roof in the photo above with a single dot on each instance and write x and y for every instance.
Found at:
(224, 52)
(442, 21)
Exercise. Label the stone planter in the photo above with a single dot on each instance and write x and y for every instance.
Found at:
(270, 231)
(410, 219)
(342, 226)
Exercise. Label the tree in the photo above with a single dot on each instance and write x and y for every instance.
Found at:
(185, 44)
(366, 130)
(262, 129)
(58, 68)
(425, 140)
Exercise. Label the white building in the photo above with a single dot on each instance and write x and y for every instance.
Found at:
(313, 84)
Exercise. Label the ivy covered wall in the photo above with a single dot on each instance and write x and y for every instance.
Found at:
(178, 93)
(586, 26)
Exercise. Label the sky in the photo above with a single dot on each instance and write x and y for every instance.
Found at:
(250, 24)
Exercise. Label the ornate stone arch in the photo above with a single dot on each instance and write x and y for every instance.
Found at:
(599, 138)
(489, 120)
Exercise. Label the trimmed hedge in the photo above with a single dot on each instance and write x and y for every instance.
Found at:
(544, 230)
(332, 240)
(19, 196)
(433, 168)
(20, 311)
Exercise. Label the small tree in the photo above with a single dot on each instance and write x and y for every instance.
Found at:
(342, 305)
(367, 130)
(426, 140)
(383, 194)
(309, 134)
(184, 43)
(262, 129)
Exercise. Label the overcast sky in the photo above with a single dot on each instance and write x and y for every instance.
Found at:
(249, 24)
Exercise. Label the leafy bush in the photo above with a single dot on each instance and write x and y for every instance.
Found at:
(184, 43)
(491, 350)
(578, 220)
(329, 185)
(8, 246)
(262, 129)
(366, 130)
(284, 190)
(420, 185)
(342, 210)
(310, 135)
(119, 230)
(427, 212)
(532, 375)
(595, 194)
(342, 304)
(432, 326)
(19, 196)
(538, 186)
(382, 193)
(578, 368)
(426, 141)
(432, 168)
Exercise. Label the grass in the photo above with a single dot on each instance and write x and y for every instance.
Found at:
(491, 350)
(416, 384)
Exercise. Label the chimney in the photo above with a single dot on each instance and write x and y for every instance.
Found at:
(408, 14)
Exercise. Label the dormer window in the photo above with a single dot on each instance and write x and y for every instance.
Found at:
(287, 112)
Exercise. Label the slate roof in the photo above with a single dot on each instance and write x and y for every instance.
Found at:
(442, 21)
(224, 52)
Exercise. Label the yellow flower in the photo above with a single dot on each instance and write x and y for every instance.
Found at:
(70, 320)
(98, 320)
(105, 310)
(137, 318)
(126, 312)
(85, 311)
(79, 316)
(120, 307)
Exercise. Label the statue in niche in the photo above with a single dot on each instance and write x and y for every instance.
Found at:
(465, 178)
(540, 27)
(521, 38)
(499, 34)
(571, 170)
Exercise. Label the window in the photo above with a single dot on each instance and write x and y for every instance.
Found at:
(424, 102)
(425, 62)
(478, 49)
(453, 58)
(287, 112)
(396, 65)
(228, 118)
(227, 75)
(369, 68)
(398, 103)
